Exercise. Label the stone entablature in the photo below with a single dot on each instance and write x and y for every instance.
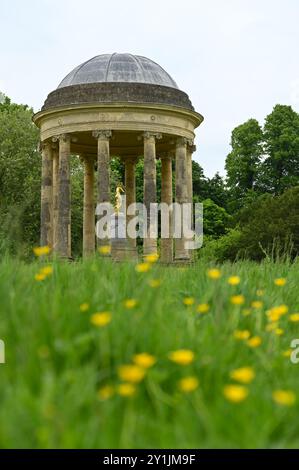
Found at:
(117, 92)
(118, 116)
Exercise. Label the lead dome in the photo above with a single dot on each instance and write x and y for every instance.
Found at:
(125, 68)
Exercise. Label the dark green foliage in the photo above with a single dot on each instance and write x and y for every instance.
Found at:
(242, 163)
(267, 228)
(270, 226)
(215, 219)
(19, 178)
(77, 175)
(280, 169)
(264, 160)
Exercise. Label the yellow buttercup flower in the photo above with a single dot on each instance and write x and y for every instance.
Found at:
(279, 331)
(235, 393)
(142, 267)
(130, 303)
(260, 292)
(154, 282)
(233, 280)
(237, 299)
(294, 317)
(47, 270)
(152, 258)
(41, 250)
(203, 308)
(284, 397)
(144, 360)
(182, 356)
(242, 334)
(188, 384)
(254, 342)
(126, 389)
(101, 318)
(281, 281)
(189, 301)
(105, 392)
(244, 375)
(131, 373)
(273, 316)
(275, 313)
(84, 307)
(214, 273)
(257, 304)
(287, 353)
(40, 277)
(104, 250)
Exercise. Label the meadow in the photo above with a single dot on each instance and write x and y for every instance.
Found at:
(104, 355)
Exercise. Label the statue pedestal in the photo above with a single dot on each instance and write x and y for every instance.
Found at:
(121, 248)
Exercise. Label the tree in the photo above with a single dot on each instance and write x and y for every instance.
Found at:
(242, 163)
(19, 177)
(215, 219)
(199, 182)
(20, 182)
(280, 169)
(216, 190)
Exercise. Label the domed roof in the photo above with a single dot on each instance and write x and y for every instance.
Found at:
(125, 68)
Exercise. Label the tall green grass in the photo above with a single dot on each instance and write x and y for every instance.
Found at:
(56, 360)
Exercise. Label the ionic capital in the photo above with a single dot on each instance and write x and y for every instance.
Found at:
(44, 146)
(86, 157)
(191, 146)
(167, 155)
(54, 146)
(181, 141)
(102, 134)
(150, 135)
(61, 138)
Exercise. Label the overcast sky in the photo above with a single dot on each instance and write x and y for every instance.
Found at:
(235, 58)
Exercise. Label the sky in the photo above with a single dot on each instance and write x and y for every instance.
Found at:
(236, 59)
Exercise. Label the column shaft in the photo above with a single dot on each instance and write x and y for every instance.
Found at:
(130, 189)
(189, 175)
(103, 170)
(166, 197)
(64, 198)
(103, 137)
(46, 236)
(55, 154)
(181, 194)
(150, 192)
(88, 208)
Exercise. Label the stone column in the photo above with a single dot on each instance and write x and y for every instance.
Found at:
(150, 190)
(46, 234)
(181, 194)
(103, 137)
(166, 198)
(55, 154)
(88, 208)
(130, 191)
(64, 198)
(190, 149)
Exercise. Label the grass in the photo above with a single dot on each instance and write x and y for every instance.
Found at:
(57, 360)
